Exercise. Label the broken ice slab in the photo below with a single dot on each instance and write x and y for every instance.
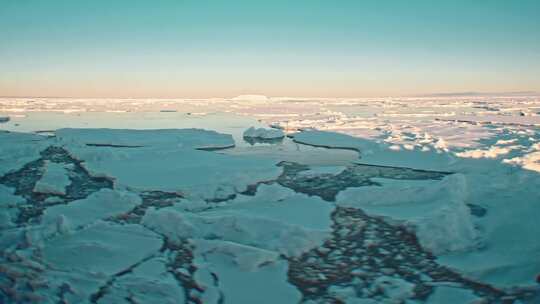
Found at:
(184, 138)
(54, 180)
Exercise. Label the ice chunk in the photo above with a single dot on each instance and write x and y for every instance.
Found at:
(264, 134)
(4, 119)
(198, 174)
(435, 209)
(282, 204)
(246, 258)
(99, 205)
(18, 149)
(264, 280)
(102, 248)
(149, 282)
(55, 179)
(248, 230)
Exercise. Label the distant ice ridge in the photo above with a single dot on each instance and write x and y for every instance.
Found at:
(251, 97)
(262, 133)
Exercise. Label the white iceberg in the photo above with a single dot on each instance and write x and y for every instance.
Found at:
(264, 134)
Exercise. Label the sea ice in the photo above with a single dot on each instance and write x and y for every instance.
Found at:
(182, 138)
(377, 153)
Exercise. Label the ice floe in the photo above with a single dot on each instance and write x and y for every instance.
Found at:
(377, 153)
(55, 179)
(256, 231)
(185, 225)
(265, 281)
(182, 138)
(18, 149)
(104, 247)
(99, 205)
(148, 282)
(436, 210)
(193, 173)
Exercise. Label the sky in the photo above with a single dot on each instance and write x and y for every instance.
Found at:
(198, 49)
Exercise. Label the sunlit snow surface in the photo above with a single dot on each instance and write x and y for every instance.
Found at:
(412, 200)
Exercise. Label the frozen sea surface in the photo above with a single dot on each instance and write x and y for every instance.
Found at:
(364, 201)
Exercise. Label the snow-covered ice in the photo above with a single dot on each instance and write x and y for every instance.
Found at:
(258, 199)
(436, 210)
(257, 231)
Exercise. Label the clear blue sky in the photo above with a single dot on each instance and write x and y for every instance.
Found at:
(175, 48)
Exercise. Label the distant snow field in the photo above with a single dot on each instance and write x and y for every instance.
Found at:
(258, 199)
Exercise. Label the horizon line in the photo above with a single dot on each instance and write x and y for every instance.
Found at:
(442, 94)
